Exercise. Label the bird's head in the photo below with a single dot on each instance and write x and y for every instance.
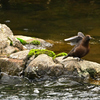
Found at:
(86, 39)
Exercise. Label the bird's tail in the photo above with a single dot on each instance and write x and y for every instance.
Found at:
(66, 56)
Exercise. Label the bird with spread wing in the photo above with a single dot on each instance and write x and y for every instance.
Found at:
(81, 47)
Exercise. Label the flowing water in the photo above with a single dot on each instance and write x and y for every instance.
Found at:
(53, 20)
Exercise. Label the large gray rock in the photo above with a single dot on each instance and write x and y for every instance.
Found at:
(43, 66)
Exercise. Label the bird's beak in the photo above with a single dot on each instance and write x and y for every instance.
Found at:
(91, 37)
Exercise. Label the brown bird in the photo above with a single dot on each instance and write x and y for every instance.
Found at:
(81, 43)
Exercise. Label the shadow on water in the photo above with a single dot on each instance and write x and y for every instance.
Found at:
(53, 20)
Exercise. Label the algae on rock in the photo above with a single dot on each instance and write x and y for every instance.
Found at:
(37, 52)
(60, 54)
(34, 42)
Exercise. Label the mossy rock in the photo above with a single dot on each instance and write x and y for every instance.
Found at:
(37, 52)
(35, 42)
(60, 54)
(22, 41)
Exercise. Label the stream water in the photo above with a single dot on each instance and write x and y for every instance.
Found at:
(53, 20)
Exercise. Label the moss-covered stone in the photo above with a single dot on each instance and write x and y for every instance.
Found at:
(60, 54)
(35, 42)
(22, 41)
(37, 52)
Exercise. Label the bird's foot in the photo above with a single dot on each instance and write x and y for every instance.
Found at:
(78, 59)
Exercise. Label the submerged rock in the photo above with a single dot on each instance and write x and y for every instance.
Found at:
(12, 80)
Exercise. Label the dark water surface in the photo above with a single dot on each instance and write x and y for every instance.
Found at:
(61, 89)
(53, 20)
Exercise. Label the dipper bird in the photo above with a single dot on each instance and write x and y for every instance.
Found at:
(81, 47)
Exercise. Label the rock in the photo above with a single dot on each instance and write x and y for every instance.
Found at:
(20, 55)
(12, 80)
(30, 59)
(42, 66)
(43, 43)
(16, 43)
(9, 50)
(84, 68)
(5, 33)
(11, 66)
(6, 37)
(6, 79)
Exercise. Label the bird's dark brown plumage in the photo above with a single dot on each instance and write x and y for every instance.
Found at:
(82, 46)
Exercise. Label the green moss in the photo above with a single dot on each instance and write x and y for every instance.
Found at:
(60, 54)
(22, 41)
(35, 42)
(37, 52)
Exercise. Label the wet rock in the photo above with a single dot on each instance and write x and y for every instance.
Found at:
(42, 66)
(11, 80)
(11, 66)
(83, 68)
(6, 79)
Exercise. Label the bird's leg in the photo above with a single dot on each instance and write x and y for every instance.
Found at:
(78, 59)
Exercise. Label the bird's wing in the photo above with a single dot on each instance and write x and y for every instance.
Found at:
(75, 39)
(80, 34)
